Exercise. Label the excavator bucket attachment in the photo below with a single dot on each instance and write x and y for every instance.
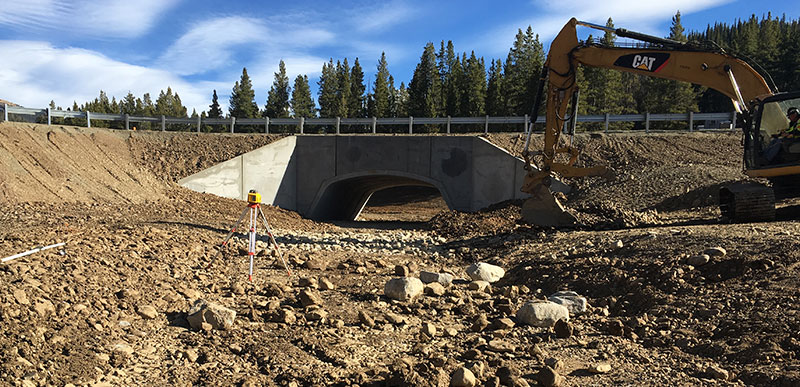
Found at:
(543, 209)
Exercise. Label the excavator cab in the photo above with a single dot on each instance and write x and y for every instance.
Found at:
(769, 121)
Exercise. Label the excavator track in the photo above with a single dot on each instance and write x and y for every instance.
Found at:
(747, 202)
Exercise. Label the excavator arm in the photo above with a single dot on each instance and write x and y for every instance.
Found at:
(663, 58)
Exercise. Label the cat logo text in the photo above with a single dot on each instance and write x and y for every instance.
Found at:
(651, 62)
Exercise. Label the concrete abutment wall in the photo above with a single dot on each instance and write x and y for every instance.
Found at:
(332, 177)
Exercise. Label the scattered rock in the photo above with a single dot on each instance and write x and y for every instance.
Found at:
(147, 311)
(402, 271)
(501, 346)
(563, 329)
(44, 308)
(309, 297)
(217, 316)
(555, 364)
(428, 277)
(316, 264)
(365, 319)
(477, 367)
(600, 368)
(326, 284)
(698, 260)
(316, 315)
(451, 332)
(463, 377)
(504, 323)
(21, 297)
(480, 323)
(548, 377)
(429, 329)
(717, 372)
(483, 271)
(715, 252)
(479, 286)
(191, 355)
(306, 282)
(395, 318)
(285, 316)
(403, 289)
(237, 288)
(576, 303)
(616, 328)
(434, 289)
(618, 244)
(542, 313)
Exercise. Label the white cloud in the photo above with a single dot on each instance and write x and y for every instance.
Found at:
(94, 18)
(642, 16)
(33, 73)
(211, 44)
(383, 16)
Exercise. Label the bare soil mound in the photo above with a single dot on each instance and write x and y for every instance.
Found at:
(657, 178)
(59, 163)
(175, 155)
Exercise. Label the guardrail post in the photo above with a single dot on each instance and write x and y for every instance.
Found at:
(233, 123)
(48, 115)
(198, 124)
(691, 121)
(605, 122)
(486, 126)
(127, 122)
(302, 124)
(733, 120)
(410, 125)
(5, 112)
(374, 125)
(266, 125)
(448, 124)
(525, 125)
(338, 124)
(88, 119)
(163, 123)
(647, 122)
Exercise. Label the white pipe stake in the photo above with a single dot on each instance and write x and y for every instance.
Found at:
(29, 252)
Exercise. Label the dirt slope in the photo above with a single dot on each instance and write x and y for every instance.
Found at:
(59, 163)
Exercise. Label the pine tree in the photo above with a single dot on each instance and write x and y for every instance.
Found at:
(214, 110)
(343, 89)
(425, 86)
(301, 103)
(356, 103)
(474, 91)
(328, 84)
(278, 97)
(522, 67)
(242, 101)
(380, 96)
(495, 104)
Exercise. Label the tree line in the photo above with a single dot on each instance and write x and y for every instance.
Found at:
(450, 83)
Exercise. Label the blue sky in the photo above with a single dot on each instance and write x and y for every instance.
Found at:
(68, 50)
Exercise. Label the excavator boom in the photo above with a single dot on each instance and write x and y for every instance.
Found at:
(662, 58)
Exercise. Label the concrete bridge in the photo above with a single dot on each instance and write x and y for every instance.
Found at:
(333, 177)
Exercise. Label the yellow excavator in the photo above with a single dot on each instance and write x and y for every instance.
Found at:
(761, 113)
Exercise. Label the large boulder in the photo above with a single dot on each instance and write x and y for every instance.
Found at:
(483, 271)
(542, 313)
(218, 316)
(576, 303)
(403, 288)
(429, 277)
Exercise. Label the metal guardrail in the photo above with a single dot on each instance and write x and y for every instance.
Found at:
(301, 123)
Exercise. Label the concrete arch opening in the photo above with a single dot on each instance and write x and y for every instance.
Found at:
(344, 197)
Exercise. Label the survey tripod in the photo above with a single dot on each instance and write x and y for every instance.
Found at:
(254, 211)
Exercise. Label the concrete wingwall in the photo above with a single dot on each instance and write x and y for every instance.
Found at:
(333, 177)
